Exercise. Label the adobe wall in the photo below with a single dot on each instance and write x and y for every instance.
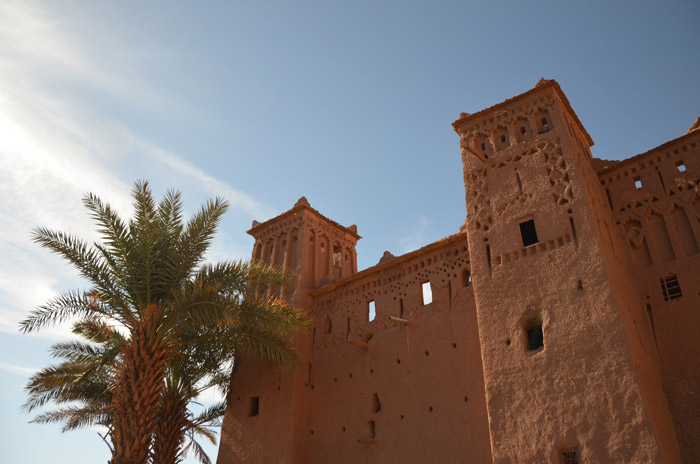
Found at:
(660, 224)
(408, 390)
(586, 389)
(611, 279)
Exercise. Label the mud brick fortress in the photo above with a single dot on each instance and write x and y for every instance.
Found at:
(560, 325)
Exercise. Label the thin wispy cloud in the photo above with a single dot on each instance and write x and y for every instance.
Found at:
(20, 370)
(238, 200)
(417, 238)
(53, 149)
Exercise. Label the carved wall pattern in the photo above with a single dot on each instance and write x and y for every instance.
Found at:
(501, 132)
(505, 129)
(557, 172)
(479, 214)
(660, 226)
(347, 307)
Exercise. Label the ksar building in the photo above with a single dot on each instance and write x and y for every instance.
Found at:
(561, 325)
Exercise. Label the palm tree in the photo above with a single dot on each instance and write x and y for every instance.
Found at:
(147, 278)
(82, 381)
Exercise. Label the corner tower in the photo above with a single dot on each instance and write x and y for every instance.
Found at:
(269, 408)
(571, 371)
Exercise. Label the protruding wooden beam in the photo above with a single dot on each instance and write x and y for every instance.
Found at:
(399, 320)
(475, 153)
(359, 344)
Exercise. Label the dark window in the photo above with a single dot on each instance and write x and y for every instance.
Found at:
(254, 406)
(535, 338)
(569, 456)
(528, 233)
(671, 288)
(376, 404)
(466, 278)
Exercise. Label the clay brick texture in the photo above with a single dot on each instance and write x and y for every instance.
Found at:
(560, 325)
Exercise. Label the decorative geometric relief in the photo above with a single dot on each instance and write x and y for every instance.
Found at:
(558, 175)
(479, 206)
(684, 230)
(660, 238)
(638, 243)
(480, 143)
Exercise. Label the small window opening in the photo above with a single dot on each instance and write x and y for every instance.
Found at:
(637, 183)
(427, 293)
(534, 335)
(254, 406)
(372, 430)
(376, 404)
(523, 130)
(528, 233)
(466, 278)
(671, 288)
(483, 147)
(329, 324)
(503, 139)
(650, 314)
(569, 456)
(681, 166)
(372, 311)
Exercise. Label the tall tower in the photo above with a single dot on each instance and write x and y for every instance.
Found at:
(268, 412)
(570, 367)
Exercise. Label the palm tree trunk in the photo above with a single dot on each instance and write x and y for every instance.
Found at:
(138, 390)
(169, 433)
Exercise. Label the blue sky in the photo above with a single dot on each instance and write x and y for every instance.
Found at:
(347, 103)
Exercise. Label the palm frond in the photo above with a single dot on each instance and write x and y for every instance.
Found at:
(197, 236)
(66, 305)
(194, 448)
(74, 417)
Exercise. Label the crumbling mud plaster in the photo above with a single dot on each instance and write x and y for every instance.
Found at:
(560, 325)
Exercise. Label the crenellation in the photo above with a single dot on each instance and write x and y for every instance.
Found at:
(559, 325)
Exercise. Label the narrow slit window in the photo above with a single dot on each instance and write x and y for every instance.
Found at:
(376, 404)
(528, 233)
(466, 278)
(569, 456)
(534, 335)
(254, 406)
(671, 288)
(372, 311)
(427, 293)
